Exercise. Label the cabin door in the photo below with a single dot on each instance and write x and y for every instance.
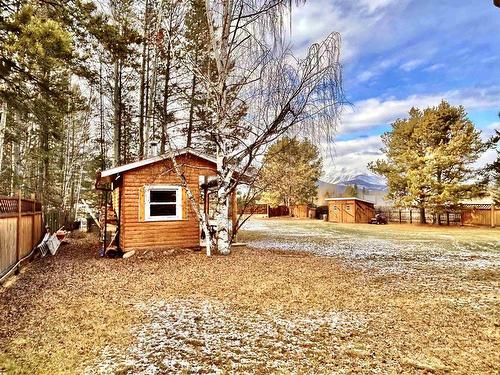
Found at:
(348, 213)
(335, 213)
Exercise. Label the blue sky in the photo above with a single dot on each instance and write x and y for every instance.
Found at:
(402, 53)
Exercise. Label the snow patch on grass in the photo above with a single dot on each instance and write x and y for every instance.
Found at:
(188, 336)
(398, 255)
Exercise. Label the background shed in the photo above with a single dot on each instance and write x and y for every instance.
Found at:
(350, 210)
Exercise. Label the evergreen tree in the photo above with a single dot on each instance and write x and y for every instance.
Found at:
(429, 158)
(47, 131)
(492, 170)
(291, 171)
(351, 191)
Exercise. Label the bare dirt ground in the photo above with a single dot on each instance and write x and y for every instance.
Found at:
(304, 297)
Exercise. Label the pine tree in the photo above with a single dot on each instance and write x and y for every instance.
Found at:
(351, 191)
(197, 50)
(492, 170)
(429, 159)
(291, 173)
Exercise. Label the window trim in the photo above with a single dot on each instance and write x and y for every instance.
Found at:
(147, 203)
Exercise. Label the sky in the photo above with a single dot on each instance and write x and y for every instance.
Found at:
(402, 53)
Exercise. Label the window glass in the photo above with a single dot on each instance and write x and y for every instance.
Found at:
(163, 196)
(163, 203)
(163, 210)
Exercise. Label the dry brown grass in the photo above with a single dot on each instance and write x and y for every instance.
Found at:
(60, 314)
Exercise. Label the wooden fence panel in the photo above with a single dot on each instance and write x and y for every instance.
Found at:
(278, 211)
(8, 236)
(256, 209)
(299, 211)
(466, 216)
(481, 216)
(38, 232)
(21, 228)
(406, 215)
(25, 237)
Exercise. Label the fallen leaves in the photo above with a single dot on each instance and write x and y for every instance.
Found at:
(255, 311)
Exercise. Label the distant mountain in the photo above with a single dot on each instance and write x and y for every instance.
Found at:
(344, 177)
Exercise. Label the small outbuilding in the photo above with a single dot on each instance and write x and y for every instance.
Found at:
(350, 210)
(151, 207)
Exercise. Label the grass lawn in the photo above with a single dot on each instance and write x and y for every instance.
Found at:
(303, 297)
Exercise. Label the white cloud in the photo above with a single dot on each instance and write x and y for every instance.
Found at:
(489, 130)
(358, 146)
(495, 125)
(372, 6)
(373, 112)
(357, 22)
(435, 67)
(352, 156)
(365, 76)
(411, 65)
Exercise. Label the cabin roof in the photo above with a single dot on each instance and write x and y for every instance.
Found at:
(349, 199)
(142, 163)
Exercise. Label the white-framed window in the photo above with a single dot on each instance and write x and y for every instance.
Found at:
(163, 203)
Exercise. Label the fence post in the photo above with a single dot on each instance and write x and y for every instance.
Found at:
(33, 238)
(18, 231)
(410, 217)
(399, 216)
(447, 218)
(493, 214)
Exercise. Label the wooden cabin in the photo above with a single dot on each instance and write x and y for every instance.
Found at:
(151, 206)
(350, 210)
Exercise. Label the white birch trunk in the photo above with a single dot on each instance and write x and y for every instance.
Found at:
(3, 125)
(202, 218)
(222, 208)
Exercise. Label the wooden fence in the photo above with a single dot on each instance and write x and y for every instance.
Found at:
(407, 215)
(278, 211)
(21, 228)
(253, 209)
(481, 214)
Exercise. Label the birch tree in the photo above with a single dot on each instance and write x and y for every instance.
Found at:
(3, 124)
(258, 92)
